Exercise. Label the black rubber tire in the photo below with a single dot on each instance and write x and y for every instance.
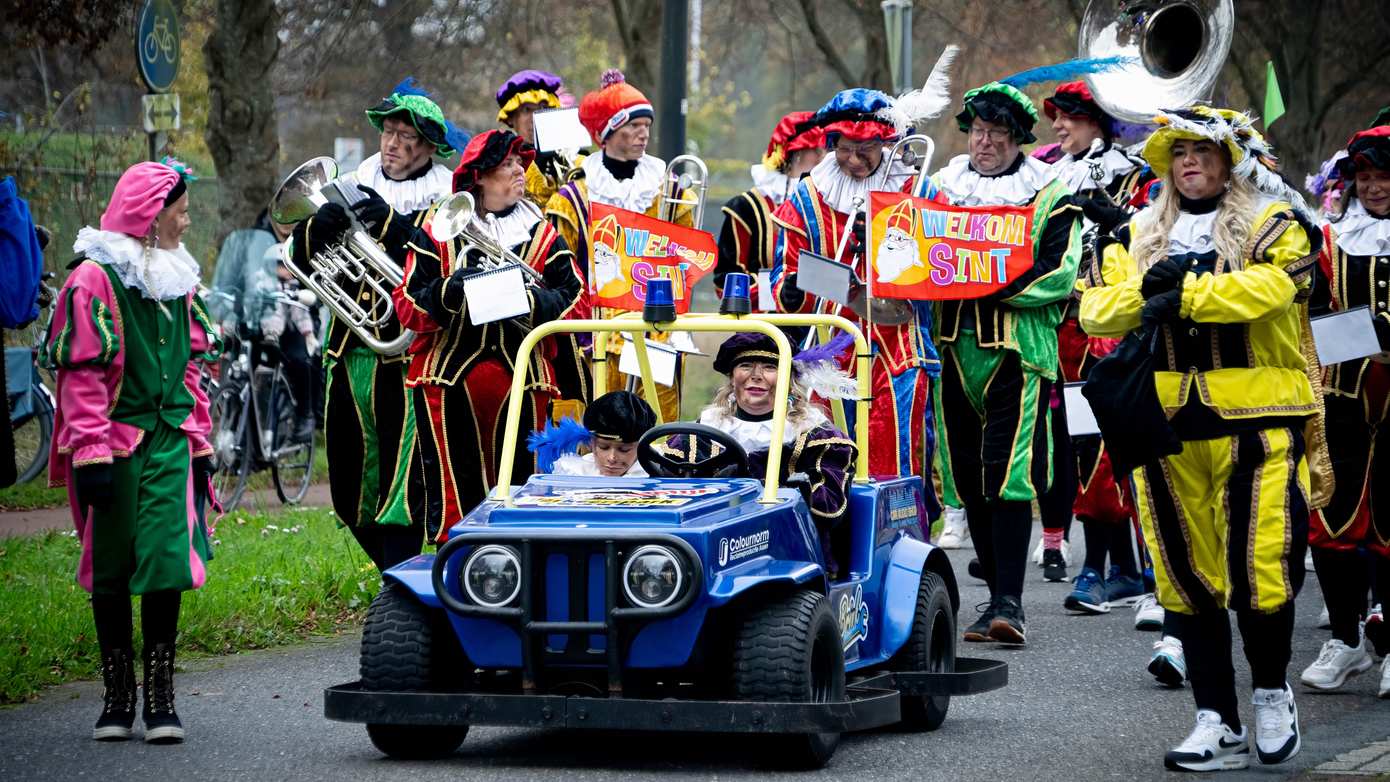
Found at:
(930, 646)
(408, 647)
(231, 446)
(789, 650)
(293, 471)
(36, 429)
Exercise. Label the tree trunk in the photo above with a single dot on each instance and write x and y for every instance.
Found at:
(241, 133)
(639, 30)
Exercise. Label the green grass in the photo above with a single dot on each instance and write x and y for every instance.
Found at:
(275, 579)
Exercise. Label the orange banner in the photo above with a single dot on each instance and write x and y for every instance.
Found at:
(630, 249)
(927, 250)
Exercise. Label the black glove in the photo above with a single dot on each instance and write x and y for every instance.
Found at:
(1163, 276)
(92, 484)
(549, 164)
(372, 211)
(856, 237)
(328, 226)
(792, 297)
(452, 295)
(1382, 332)
(202, 470)
(1101, 211)
(1163, 308)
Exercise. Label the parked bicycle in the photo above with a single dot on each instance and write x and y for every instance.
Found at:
(31, 403)
(253, 421)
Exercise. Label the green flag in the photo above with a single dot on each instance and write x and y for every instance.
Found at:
(1274, 100)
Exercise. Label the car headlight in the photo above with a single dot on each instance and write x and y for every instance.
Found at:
(492, 576)
(652, 577)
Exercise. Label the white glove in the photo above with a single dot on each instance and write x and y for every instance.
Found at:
(311, 344)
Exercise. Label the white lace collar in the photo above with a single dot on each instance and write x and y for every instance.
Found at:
(162, 275)
(839, 190)
(1075, 172)
(410, 195)
(635, 194)
(966, 187)
(757, 435)
(1361, 233)
(512, 229)
(1194, 233)
(773, 184)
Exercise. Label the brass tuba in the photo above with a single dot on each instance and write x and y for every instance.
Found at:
(358, 258)
(1176, 47)
(453, 216)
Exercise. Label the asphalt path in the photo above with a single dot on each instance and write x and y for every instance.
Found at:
(1079, 706)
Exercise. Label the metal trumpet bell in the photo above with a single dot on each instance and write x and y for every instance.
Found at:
(452, 216)
(1176, 48)
(886, 312)
(298, 197)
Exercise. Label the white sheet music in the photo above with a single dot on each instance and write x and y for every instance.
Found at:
(824, 277)
(662, 358)
(766, 301)
(1344, 336)
(496, 295)
(559, 129)
(1080, 420)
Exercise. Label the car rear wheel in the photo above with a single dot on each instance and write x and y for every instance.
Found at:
(930, 646)
(409, 647)
(789, 651)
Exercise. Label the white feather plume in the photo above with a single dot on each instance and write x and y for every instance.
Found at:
(827, 380)
(916, 106)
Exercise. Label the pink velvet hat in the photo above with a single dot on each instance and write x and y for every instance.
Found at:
(138, 198)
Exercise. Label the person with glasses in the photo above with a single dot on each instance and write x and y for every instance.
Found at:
(369, 424)
(822, 207)
(999, 353)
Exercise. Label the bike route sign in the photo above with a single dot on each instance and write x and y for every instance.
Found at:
(157, 44)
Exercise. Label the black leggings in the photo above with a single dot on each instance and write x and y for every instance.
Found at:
(1113, 539)
(1345, 577)
(1055, 504)
(389, 544)
(1206, 639)
(1000, 530)
(159, 619)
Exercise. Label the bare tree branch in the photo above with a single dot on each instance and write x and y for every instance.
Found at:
(823, 42)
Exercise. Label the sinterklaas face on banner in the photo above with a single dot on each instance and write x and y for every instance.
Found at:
(922, 249)
(631, 249)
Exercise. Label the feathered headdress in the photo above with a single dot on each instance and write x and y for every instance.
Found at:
(917, 106)
(556, 440)
(410, 99)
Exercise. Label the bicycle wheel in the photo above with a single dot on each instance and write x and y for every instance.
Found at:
(231, 448)
(33, 431)
(291, 463)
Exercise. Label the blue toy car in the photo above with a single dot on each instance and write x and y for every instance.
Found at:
(674, 604)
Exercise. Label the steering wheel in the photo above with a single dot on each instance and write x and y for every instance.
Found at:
(732, 462)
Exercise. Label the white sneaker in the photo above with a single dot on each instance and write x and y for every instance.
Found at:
(1168, 664)
(1276, 725)
(955, 530)
(1385, 678)
(1148, 614)
(1336, 663)
(1211, 746)
(1324, 619)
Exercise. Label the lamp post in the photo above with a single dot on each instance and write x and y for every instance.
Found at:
(897, 23)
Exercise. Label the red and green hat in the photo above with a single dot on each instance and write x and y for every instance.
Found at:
(1366, 150)
(1074, 99)
(794, 132)
(485, 152)
(409, 102)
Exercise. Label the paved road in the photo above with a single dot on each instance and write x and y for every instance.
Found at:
(1079, 707)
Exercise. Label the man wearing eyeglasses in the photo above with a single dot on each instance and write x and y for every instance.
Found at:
(368, 421)
(822, 207)
(999, 353)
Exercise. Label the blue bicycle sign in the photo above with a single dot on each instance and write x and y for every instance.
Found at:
(157, 44)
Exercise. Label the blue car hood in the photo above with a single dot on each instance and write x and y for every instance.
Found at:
(574, 500)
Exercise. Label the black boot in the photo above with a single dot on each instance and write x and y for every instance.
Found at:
(162, 724)
(118, 704)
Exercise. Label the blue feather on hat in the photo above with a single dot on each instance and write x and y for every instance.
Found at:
(456, 136)
(1066, 71)
(409, 87)
(556, 440)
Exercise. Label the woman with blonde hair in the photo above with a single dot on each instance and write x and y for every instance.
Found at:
(1219, 266)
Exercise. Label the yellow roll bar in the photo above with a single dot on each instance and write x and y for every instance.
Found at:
(764, 323)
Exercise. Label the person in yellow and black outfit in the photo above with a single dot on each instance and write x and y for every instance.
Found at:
(619, 119)
(518, 99)
(1220, 265)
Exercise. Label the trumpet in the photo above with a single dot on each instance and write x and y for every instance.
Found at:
(357, 259)
(453, 217)
(683, 173)
(908, 147)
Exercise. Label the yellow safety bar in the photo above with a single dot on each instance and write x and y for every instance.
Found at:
(764, 323)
